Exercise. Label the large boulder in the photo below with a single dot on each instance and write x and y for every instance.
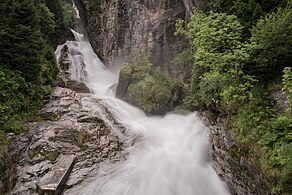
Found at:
(147, 87)
(64, 78)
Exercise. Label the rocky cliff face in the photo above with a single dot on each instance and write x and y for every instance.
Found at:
(71, 126)
(232, 164)
(122, 29)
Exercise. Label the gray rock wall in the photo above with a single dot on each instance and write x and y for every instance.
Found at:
(122, 29)
(233, 165)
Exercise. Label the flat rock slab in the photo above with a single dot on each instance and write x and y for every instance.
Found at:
(58, 177)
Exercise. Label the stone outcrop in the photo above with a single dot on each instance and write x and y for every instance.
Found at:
(123, 29)
(149, 89)
(281, 100)
(64, 76)
(231, 162)
(72, 126)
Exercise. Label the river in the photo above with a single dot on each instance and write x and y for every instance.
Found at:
(172, 155)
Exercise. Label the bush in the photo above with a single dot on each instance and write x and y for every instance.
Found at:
(220, 56)
(272, 44)
(231, 73)
(149, 88)
(19, 100)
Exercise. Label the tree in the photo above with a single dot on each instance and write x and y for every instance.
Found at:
(63, 19)
(272, 44)
(220, 55)
(47, 21)
(247, 11)
(27, 61)
(22, 46)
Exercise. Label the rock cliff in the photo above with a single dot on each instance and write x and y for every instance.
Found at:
(71, 127)
(122, 29)
(232, 163)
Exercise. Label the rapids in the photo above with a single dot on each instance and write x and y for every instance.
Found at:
(172, 155)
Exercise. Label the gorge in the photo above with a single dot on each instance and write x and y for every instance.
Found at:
(119, 148)
(163, 155)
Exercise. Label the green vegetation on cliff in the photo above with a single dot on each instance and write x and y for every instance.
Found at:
(30, 29)
(240, 55)
(149, 88)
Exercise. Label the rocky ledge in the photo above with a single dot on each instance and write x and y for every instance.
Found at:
(76, 124)
(231, 162)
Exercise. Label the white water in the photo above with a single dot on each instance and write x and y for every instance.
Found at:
(171, 158)
(88, 68)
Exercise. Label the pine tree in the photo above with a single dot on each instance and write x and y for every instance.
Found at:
(23, 47)
(272, 43)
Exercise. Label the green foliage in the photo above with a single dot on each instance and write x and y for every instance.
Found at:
(126, 71)
(19, 99)
(220, 56)
(22, 47)
(287, 83)
(47, 21)
(231, 74)
(149, 88)
(69, 19)
(94, 3)
(275, 136)
(150, 93)
(63, 19)
(29, 29)
(260, 124)
(286, 153)
(272, 43)
(247, 11)
(222, 6)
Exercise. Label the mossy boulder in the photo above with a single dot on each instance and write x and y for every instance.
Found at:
(145, 86)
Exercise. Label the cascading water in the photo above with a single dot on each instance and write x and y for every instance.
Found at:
(87, 67)
(172, 154)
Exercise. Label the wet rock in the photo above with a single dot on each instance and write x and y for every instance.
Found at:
(125, 29)
(53, 183)
(79, 87)
(230, 163)
(76, 128)
(282, 101)
(65, 73)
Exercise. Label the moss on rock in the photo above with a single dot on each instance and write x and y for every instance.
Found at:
(145, 86)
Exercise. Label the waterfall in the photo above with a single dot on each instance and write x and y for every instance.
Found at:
(172, 154)
(87, 67)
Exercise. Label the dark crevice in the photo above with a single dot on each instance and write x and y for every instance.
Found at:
(82, 13)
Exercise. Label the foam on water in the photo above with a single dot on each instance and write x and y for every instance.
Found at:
(172, 156)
